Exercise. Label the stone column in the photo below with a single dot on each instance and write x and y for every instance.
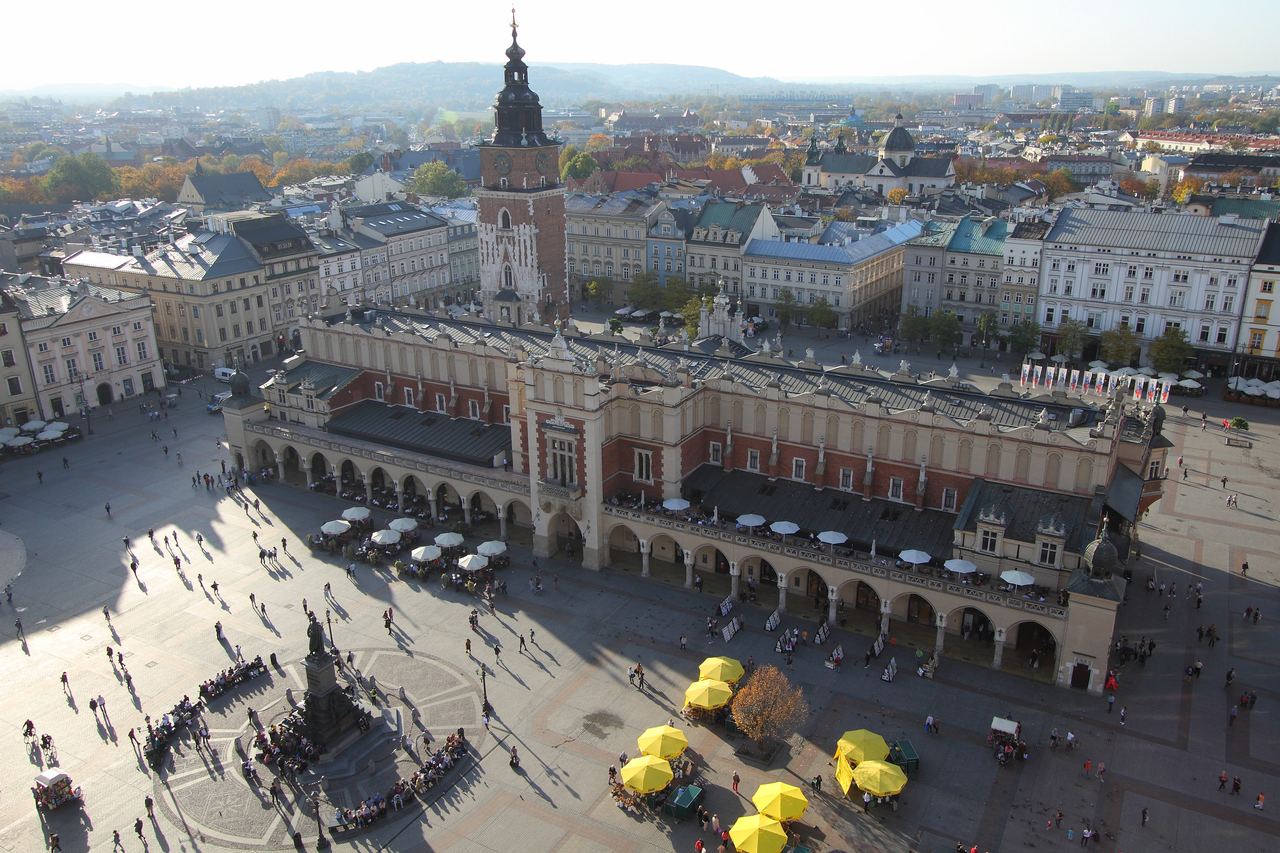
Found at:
(734, 574)
(502, 526)
(940, 637)
(306, 470)
(998, 657)
(431, 506)
(466, 510)
(399, 497)
(885, 604)
(644, 557)
(688, 570)
(368, 491)
(782, 593)
(833, 598)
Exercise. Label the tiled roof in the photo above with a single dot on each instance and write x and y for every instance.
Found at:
(1247, 208)
(229, 190)
(730, 216)
(1158, 232)
(1025, 507)
(976, 237)
(432, 433)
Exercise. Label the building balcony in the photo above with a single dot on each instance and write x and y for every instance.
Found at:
(550, 489)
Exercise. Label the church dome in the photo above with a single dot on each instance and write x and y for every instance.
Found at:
(1101, 559)
(899, 140)
(239, 383)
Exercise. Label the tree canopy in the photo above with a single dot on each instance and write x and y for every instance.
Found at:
(437, 179)
(944, 329)
(768, 706)
(913, 327)
(1071, 337)
(81, 177)
(1119, 345)
(784, 307)
(579, 167)
(1170, 351)
(1024, 337)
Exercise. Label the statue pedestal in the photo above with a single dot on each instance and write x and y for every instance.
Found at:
(329, 711)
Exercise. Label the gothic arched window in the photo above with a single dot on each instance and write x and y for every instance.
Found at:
(508, 280)
(504, 219)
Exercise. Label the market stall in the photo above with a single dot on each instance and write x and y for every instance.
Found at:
(53, 788)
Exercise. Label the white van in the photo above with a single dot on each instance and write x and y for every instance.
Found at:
(223, 374)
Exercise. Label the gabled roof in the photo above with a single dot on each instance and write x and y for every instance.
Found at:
(1158, 232)
(1023, 509)
(979, 237)
(730, 216)
(1269, 254)
(234, 189)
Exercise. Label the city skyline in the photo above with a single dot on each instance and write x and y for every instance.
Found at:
(559, 33)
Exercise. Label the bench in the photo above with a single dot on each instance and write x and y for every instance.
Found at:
(1238, 442)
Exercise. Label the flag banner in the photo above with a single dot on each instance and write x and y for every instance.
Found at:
(1026, 371)
(1153, 390)
(1164, 393)
(1111, 384)
(1087, 381)
(1100, 378)
(1049, 375)
(1075, 380)
(1035, 377)
(1062, 375)
(1137, 388)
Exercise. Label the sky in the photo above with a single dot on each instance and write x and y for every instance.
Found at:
(233, 42)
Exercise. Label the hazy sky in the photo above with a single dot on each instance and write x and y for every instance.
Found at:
(231, 42)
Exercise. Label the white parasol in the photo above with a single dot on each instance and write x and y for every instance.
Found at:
(1017, 578)
(20, 441)
(335, 528)
(960, 567)
(1193, 374)
(915, 557)
(492, 549)
(832, 537)
(449, 540)
(675, 504)
(473, 562)
(1190, 383)
(356, 513)
(48, 435)
(58, 425)
(386, 537)
(751, 520)
(33, 426)
(7, 433)
(786, 528)
(425, 553)
(404, 525)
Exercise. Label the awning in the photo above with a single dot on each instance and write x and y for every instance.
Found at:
(1124, 492)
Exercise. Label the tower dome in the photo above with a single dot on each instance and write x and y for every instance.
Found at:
(1101, 559)
(517, 110)
(898, 141)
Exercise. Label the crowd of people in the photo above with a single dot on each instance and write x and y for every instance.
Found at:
(232, 677)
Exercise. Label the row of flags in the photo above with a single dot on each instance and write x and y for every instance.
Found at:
(1097, 382)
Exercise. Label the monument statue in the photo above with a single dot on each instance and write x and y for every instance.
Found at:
(315, 634)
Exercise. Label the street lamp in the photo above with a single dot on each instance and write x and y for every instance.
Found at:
(328, 618)
(321, 841)
(78, 377)
(484, 688)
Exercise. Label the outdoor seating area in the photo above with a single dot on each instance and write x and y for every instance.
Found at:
(862, 762)
(374, 808)
(36, 437)
(160, 735)
(232, 677)
(1254, 391)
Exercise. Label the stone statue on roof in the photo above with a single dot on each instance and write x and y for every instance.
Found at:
(856, 361)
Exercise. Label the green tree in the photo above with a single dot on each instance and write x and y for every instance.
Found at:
(437, 179)
(1120, 345)
(989, 327)
(691, 313)
(615, 325)
(581, 166)
(676, 293)
(944, 329)
(1024, 337)
(567, 154)
(358, 162)
(1170, 351)
(597, 290)
(821, 314)
(273, 142)
(646, 291)
(1151, 190)
(913, 327)
(83, 177)
(1186, 188)
(1071, 337)
(784, 307)
(1151, 147)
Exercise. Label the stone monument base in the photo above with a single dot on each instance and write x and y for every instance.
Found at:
(328, 708)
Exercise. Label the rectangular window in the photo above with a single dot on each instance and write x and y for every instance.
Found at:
(949, 497)
(15, 385)
(473, 410)
(379, 391)
(715, 453)
(1262, 311)
(408, 396)
(1268, 287)
(797, 469)
(1048, 553)
(1228, 304)
(1128, 293)
(66, 342)
(563, 468)
(895, 488)
(72, 367)
(753, 460)
(93, 336)
(990, 542)
(99, 363)
(49, 376)
(441, 403)
(643, 466)
(7, 358)
(1205, 331)
(1222, 335)
(846, 479)
(43, 346)
(1098, 290)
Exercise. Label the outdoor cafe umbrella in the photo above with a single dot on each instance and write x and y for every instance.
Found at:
(473, 562)
(786, 528)
(33, 426)
(646, 774)
(492, 549)
(335, 528)
(449, 540)
(1234, 382)
(1098, 365)
(1035, 356)
(1190, 383)
(662, 742)
(832, 537)
(356, 513)
(757, 833)
(423, 553)
(1017, 578)
(708, 694)
(780, 801)
(751, 520)
(58, 425)
(1172, 377)
(8, 432)
(1060, 359)
(1147, 371)
(960, 567)
(1124, 371)
(20, 441)
(916, 558)
(49, 435)
(1193, 374)
(879, 778)
(404, 525)
(861, 745)
(722, 668)
(675, 504)
(386, 537)
(844, 774)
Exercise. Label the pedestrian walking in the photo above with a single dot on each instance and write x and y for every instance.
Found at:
(137, 827)
(1102, 771)
(133, 737)
(1145, 815)
(40, 477)
(522, 643)
(736, 780)
(1224, 483)
(55, 843)
(1235, 784)
(631, 675)
(1111, 701)
(468, 647)
(1222, 781)
(640, 676)
(497, 653)
(1235, 712)
(1124, 709)
(1262, 798)
(683, 642)
(1088, 765)
(151, 806)
(116, 843)
(1057, 819)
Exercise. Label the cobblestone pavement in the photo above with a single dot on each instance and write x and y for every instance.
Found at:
(565, 702)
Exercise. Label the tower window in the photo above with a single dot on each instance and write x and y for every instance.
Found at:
(507, 277)
(504, 219)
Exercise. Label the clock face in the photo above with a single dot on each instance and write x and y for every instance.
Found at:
(502, 162)
(543, 161)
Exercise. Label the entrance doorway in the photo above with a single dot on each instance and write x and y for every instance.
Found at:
(104, 394)
(1080, 675)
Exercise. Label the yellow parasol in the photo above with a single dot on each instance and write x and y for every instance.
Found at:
(844, 774)
(756, 833)
(879, 778)
(647, 774)
(709, 694)
(862, 745)
(723, 669)
(780, 801)
(662, 742)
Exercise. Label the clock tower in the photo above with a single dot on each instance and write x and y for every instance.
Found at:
(521, 219)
